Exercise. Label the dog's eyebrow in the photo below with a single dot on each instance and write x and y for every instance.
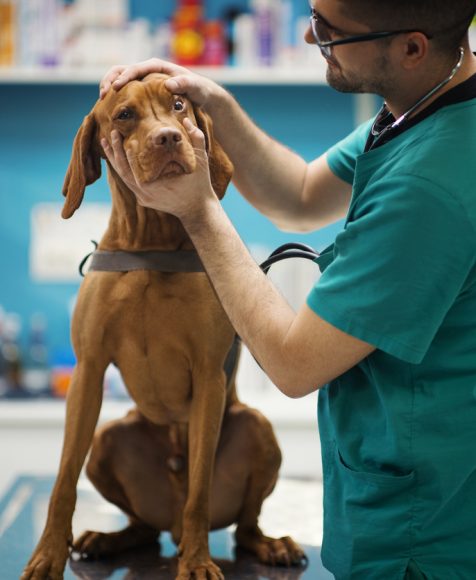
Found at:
(157, 98)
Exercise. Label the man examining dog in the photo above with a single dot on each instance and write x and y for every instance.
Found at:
(388, 332)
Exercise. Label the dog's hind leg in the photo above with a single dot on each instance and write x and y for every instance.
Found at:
(264, 463)
(127, 465)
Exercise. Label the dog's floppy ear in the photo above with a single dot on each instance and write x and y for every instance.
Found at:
(221, 168)
(84, 167)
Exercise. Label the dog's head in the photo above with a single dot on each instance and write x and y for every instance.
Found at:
(146, 113)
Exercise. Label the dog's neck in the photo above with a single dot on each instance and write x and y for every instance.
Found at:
(136, 228)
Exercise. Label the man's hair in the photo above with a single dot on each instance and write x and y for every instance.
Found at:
(446, 22)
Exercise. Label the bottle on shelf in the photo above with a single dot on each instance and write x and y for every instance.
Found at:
(245, 41)
(188, 43)
(62, 367)
(36, 371)
(265, 30)
(3, 362)
(7, 32)
(12, 356)
(215, 51)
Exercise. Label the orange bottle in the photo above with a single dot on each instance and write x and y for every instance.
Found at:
(7, 32)
(188, 43)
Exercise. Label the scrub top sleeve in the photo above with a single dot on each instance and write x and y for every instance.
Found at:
(398, 266)
(342, 156)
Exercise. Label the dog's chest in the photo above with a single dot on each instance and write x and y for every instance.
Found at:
(162, 332)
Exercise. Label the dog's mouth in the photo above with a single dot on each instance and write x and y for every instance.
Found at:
(169, 170)
(172, 169)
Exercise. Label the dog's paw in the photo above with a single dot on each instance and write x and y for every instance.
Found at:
(94, 545)
(271, 551)
(206, 571)
(280, 552)
(47, 563)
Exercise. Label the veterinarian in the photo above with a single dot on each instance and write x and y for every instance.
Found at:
(388, 333)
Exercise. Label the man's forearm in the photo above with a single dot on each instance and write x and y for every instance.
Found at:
(259, 314)
(268, 174)
(300, 352)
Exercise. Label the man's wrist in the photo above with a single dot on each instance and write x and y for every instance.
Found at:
(218, 102)
(198, 219)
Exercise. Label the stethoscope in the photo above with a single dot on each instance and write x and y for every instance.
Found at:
(384, 111)
(289, 250)
(297, 250)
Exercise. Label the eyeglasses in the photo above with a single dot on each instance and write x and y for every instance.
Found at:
(321, 30)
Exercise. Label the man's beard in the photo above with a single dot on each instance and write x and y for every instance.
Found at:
(352, 83)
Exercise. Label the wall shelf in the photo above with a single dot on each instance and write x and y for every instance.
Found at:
(364, 105)
(224, 75)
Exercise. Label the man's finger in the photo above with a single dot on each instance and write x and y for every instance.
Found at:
(130, 154)
(179, 84)
(141, 69)
(108, 79)
(122, 162)
(196, 134)
(118, 149)
(189, 84)
(120, 75)
(108, 152)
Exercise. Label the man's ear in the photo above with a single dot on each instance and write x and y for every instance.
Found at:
(414, 49)
(221, 168)
(84, 166)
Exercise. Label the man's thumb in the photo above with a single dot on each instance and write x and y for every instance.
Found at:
(177, 85)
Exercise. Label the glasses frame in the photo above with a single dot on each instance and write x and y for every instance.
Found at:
(327, 45)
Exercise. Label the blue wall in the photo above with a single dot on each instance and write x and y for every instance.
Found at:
(38, 124)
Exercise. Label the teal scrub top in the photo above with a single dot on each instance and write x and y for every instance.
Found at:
(398, 431)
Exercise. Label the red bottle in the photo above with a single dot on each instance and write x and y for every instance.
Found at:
(215, 52)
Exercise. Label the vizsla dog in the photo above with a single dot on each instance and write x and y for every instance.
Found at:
(190, 457)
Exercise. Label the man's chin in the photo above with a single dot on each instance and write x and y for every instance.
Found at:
(338, 82)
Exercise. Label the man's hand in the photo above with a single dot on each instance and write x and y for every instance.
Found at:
(181, 196)
(198, 88)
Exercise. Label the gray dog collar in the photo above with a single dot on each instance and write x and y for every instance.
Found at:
(122, 261)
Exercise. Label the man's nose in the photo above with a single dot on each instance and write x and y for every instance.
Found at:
(167, 138)
(309, 36)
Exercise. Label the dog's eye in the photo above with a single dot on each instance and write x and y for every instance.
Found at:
(125, 114)
(179, 105)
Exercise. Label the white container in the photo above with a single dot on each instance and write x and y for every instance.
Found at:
(245, 41)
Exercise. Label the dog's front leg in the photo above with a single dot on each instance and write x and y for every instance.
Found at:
(208, 403)
(82, 412)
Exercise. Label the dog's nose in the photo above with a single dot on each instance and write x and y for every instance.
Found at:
(167, 137)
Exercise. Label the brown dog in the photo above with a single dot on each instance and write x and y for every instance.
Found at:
(190, 457)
